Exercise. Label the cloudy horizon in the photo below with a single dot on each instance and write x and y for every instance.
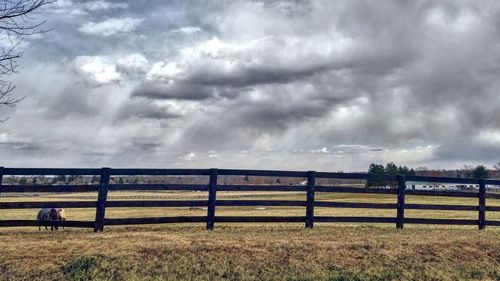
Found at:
(291, 85)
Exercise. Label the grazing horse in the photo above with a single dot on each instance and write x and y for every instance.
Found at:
(61, 215)
(49, 214)
(42, 216)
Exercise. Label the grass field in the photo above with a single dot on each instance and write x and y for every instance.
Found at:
(251, 251)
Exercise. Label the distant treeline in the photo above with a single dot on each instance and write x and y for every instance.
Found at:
(467, 171)
(224, 180)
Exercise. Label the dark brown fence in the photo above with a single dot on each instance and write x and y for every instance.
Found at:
(212, 186)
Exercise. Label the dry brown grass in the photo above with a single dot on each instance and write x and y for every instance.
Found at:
(252, 252)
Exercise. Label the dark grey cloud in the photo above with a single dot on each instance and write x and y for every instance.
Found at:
(180, 91)
(475, 151)
(21, 146)
(142, 108)
(256, 75)
(71, 102)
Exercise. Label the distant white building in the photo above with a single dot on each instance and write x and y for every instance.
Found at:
(446, 186)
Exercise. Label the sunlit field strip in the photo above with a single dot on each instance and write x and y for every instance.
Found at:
(89, 213)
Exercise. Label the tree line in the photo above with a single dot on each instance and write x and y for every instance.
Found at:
(467, 171)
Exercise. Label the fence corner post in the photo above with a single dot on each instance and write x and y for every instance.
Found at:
(311, 184)
(102, 197)
(401, 201)
(482, 204)
(212, 197)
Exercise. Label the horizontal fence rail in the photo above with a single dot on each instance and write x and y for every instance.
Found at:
(50, 188)
(308, 187)
(82, 224)
(123, 187)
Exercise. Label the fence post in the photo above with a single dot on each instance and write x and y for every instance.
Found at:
(212, 196)
(401, 201)
(102, 197)
(311, 182)
(1, 179)
(482, 204)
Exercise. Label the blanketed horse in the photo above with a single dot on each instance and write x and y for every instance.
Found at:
(49, 214)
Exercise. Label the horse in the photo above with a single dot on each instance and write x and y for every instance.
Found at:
(50, 214)
(61, 215)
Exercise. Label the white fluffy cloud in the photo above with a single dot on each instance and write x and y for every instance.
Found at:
(133, 64)
(97, 70)
(187, 30)
(100, 70)
(111, 26)
(104, 5)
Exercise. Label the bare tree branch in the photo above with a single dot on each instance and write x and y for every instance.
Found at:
(16, 22)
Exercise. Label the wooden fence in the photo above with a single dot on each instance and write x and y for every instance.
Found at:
(311, 188)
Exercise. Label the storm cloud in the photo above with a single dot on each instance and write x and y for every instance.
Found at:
(325, 85)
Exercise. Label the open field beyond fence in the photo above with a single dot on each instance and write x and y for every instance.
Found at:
(88, 214)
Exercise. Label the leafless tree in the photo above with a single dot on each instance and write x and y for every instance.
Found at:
(467, 170)
(16, 22)
(497, 166)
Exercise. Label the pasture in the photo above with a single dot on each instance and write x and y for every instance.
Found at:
(252, 252)
(255, 251)
(88, 214)
(249, 249)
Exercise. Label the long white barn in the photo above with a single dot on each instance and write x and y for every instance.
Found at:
(445, 186)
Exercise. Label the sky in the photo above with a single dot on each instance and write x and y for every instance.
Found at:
(290, 85)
